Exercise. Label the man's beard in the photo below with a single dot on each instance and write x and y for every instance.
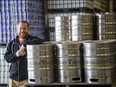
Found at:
(23, 35)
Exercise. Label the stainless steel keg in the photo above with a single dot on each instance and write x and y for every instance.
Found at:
(106, 26)
(82, 27)
(40, 63)
(99, 61)
(68, 61)
(62, 28)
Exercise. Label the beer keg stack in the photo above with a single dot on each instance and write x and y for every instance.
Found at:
(40, 63)
(74, 28)
(83, 33)
(99, 61)
(76, 56)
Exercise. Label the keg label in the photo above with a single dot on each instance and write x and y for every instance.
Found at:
(99, 62)
(69, 62)
(40, 63)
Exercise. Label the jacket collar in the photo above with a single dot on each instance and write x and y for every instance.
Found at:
(16, 39)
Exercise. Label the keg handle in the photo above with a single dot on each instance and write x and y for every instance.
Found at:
(78, 78)
(94, 80)
(32, 80)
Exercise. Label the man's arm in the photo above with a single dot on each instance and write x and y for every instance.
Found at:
(10, 56)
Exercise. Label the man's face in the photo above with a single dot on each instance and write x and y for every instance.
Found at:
(23, 30)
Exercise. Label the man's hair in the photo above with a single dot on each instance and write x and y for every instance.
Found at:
(24, 22)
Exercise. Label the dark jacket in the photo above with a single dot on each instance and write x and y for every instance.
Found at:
(18, 68)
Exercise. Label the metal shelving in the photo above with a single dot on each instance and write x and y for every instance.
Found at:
(68, 85)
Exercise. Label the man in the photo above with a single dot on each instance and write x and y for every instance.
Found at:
(17, 56)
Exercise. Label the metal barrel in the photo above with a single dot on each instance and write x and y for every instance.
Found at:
(106, 26)
(82, 27)
(62, 28)
(99, 61)
(40, 63)
(68, 61)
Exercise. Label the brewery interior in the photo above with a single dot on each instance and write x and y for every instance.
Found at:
(79, 41)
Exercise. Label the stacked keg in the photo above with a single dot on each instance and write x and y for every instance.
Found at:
(3, 66)
(82, 26)
(106, 26)
(40, 63)
(68, 61)
(99, 61)
(74, 28)
(62, 28)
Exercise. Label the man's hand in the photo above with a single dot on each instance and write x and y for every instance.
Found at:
(20, 52)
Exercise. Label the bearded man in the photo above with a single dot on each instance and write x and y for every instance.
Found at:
(16, 55)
